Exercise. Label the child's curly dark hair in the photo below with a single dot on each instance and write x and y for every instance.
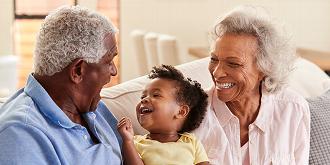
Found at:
(189, 92)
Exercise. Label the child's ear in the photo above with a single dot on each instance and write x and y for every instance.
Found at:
(183, 112)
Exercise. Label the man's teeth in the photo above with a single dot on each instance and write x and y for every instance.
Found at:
(225, 85)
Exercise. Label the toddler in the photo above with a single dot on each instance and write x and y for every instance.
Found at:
(170, 107)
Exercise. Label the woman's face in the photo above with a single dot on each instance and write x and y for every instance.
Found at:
(233, 67)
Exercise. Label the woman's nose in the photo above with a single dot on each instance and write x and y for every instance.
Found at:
(219, 71)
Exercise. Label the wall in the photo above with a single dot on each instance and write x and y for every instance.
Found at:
(190, 20)
(6, 28)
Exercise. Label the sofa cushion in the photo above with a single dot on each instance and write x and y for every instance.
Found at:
(122, 98)
(320, 129)
(2, 101)
(308, 79)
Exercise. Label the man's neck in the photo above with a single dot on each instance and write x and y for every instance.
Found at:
(61, 94)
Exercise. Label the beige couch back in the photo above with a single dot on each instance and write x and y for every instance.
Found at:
(307, 79)
(122, 99)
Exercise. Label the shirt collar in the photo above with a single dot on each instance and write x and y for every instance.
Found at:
(262, 120)
(45, 103)
(225, 115)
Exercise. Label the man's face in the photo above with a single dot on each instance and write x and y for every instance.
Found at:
(99, 74)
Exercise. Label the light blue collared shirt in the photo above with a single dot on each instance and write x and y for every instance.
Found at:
(34, 130)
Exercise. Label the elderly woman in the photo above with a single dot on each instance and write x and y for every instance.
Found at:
(252, 117)
(58, 117)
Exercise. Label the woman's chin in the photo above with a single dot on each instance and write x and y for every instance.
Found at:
(224, 96)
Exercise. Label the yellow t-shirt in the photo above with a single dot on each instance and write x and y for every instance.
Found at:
(187, 150)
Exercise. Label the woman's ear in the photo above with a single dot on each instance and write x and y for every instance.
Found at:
(262, 76)
(76, 70)
(183, 112)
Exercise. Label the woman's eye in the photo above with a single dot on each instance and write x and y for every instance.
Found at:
(214, 59)
(233, 64)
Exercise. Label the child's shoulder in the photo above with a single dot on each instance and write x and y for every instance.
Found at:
(188, 136)
(138, 138)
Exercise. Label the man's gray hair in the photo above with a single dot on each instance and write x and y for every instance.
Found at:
(275, 55)
(68, 33)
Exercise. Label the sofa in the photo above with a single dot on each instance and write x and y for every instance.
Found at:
(307, 79)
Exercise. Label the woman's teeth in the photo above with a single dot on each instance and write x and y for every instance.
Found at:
(225, 85)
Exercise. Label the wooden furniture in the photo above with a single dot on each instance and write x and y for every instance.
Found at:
(199, 52)
(320, 58)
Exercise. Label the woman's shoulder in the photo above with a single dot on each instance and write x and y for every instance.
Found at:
(288, 99)
(289, 96)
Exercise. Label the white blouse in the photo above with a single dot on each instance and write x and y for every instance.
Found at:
(245, 154)
(280, 134)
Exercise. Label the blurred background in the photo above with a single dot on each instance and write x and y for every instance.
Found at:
(155, 31)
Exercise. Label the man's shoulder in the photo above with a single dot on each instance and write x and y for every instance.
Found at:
(16, 108)
(20, 111)
(105, 112)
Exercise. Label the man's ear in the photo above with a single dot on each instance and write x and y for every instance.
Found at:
(183, 112)
(76, 70)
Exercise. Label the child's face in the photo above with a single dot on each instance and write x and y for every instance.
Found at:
(158, 108)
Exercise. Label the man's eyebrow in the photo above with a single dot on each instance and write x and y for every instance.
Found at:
(113, 50)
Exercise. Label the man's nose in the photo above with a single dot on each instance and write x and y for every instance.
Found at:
(113, 69)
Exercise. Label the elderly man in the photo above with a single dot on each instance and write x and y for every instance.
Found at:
(58, 117)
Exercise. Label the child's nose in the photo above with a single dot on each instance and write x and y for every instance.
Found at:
(145, 100)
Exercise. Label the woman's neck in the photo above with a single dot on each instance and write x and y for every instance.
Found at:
(246, 108)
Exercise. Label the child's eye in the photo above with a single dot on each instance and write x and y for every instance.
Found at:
(156, 95)
(143, 96)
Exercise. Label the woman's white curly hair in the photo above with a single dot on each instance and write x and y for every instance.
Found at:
(68, 33)
(275, 54)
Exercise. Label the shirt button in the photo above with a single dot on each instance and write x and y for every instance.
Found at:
(85, 137)
(93, 115)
